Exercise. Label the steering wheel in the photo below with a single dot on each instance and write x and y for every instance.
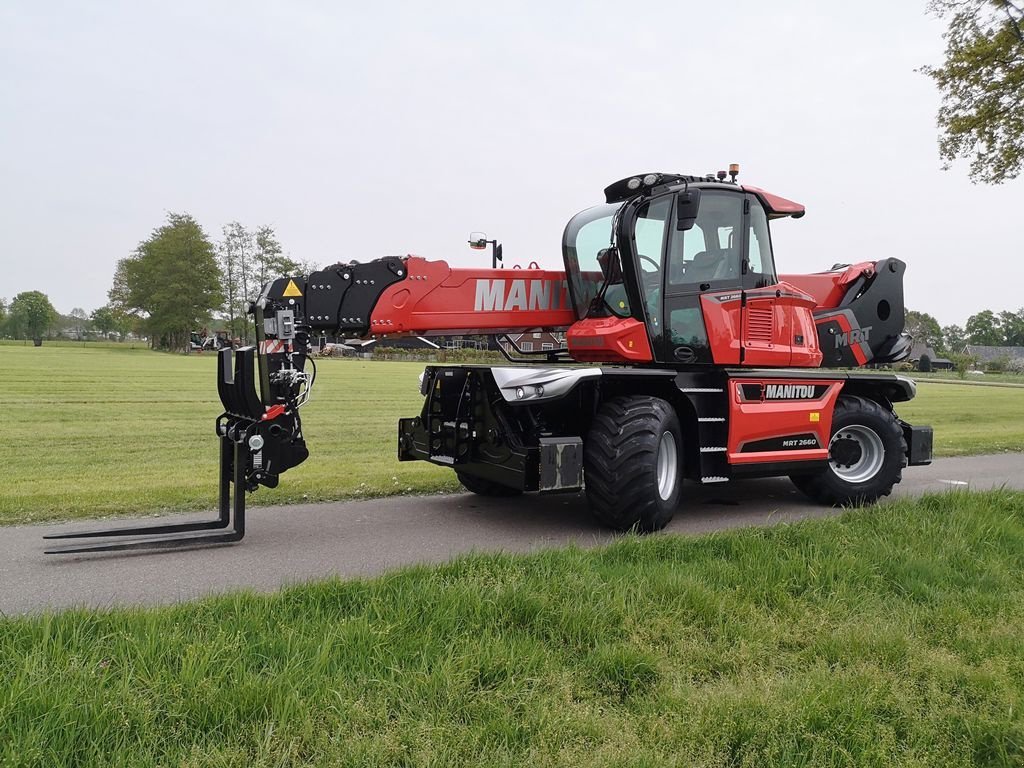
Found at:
(656, 265)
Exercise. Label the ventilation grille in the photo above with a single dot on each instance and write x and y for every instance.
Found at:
(759, 323)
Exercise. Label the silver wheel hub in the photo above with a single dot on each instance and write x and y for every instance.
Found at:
(668, 465)
(856, 453)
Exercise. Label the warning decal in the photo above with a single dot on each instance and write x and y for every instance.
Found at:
(291, 289)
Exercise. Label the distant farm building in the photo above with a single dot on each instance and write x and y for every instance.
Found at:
(925, 358)
(534, 342)
(986, 354)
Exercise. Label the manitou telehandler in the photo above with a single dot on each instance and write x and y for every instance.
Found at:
(688, 357)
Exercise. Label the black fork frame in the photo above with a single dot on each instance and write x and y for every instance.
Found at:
(244, 407)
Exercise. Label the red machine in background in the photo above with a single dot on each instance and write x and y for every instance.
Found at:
(687, 357)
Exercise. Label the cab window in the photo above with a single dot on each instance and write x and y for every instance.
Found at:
(649, 239)
(710, 250)
(760, 265)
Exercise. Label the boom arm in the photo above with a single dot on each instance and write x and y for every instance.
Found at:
(392, 296)
(859, 312)
(413, 296)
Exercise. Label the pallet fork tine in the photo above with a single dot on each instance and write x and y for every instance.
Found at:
(229, 525)
(231, 515)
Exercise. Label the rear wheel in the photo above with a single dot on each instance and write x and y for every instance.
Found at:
(632, 463)
(867, 454)
(482, 487)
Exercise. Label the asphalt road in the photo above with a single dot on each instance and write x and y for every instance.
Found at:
(286, 545)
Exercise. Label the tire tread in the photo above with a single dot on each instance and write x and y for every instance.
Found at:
(620, 462)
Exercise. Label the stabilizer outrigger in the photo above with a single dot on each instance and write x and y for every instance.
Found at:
(258, 441)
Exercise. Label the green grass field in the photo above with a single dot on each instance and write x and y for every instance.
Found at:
(92, 430)
(971, 378)
(968, 419)
(888, 636)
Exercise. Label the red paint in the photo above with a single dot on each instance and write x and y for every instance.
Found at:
(609, 340)
(775, 328)
(829, 288)
(722, 322)
(752, 421)
(436, 298)
(273, 412)
(776, 206)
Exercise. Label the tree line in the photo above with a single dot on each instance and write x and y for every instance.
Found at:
(986, 328)
(176, 282)
(178, 279)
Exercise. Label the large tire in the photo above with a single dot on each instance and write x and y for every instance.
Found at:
(867, 454)
(632, 463)
(482, 487)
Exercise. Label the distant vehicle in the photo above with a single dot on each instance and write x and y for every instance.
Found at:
(204, 342)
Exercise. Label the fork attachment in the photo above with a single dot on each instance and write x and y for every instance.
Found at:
(257, 443)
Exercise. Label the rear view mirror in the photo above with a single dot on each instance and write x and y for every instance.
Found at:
(687, 203)
(611, 268)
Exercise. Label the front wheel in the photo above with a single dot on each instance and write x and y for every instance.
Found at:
(632, 463)
(867, 453)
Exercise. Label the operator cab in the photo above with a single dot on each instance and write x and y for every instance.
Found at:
(689, 258)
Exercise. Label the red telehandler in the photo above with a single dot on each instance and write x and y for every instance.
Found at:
(688, 357)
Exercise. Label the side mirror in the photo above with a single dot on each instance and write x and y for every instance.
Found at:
(611, 268)
(687, 204)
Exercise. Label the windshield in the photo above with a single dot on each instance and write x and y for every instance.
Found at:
(588, 259)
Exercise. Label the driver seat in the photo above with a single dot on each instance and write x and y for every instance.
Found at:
(704, 266)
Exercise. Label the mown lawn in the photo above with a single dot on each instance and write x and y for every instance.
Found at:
(968, 419)
(92, 430)
(889, 636)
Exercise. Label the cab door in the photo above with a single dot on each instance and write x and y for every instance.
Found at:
(703, 283)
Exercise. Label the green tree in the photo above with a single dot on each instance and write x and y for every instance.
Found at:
(248, 260)
(269, 261)
(954, 339)
(1012, 326)
(32, 315)
(108, 320)
(962, 363)
(983, 328)
(982, 86)
(80, 320)
(3, 316)
(172, 282)
(235, 257)
(924, 328)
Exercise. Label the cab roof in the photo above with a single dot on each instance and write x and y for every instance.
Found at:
(633, 186)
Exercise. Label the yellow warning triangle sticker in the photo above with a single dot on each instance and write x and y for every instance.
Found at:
(292, 289)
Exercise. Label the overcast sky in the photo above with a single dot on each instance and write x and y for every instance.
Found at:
(360, 130)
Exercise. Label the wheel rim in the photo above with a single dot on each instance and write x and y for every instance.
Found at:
(668, 460)
(856, 453)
